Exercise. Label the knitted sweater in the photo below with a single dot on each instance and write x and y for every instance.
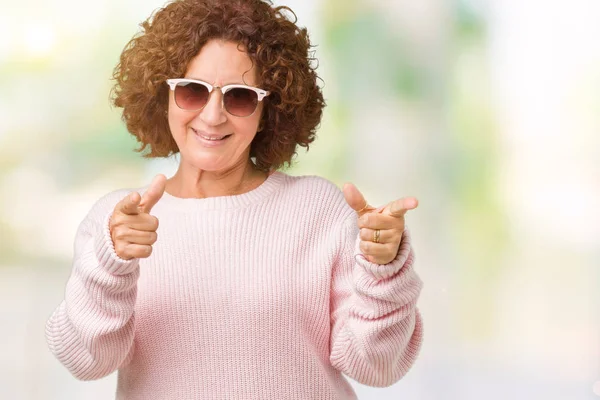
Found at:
(263, 295)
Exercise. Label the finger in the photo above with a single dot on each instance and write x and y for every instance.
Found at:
(149, 223)
(140, 250)
(355, 199)
(128, 235)
(125, 234)
(385, 235)
(381, 260)
(379, 221)
(399, 207)
(154, 193)
(140, 222)
(143, 237)
(129, 205)
(379, 250)
(127, 251)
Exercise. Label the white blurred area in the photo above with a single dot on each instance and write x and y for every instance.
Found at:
(509, 316)
(546, 80)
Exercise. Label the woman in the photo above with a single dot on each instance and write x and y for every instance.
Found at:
(256, 284)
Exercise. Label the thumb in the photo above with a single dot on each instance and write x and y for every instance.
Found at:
(154, 193)
(355, 199)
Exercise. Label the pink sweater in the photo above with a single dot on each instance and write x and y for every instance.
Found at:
(263, 295)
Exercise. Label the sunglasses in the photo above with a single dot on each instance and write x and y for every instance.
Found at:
(238, 100)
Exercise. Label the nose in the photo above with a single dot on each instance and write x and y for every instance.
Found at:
(213, 114)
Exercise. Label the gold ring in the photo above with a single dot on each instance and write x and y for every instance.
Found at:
(376, 235)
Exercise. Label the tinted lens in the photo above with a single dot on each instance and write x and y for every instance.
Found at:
(240, 102)
(191, 96)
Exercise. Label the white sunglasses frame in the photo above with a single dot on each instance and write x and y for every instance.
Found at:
(261, 94)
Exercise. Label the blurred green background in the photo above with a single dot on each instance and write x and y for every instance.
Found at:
(488, 112)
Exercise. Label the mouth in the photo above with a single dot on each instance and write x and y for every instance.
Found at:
(210, 138)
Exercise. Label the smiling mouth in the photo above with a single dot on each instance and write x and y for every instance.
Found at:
(211, 138)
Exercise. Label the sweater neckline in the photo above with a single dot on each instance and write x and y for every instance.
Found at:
(273, 181)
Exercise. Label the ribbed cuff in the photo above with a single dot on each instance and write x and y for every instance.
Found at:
(384, 271)
(107, 257)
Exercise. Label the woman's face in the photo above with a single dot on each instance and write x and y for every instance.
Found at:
(219, 63)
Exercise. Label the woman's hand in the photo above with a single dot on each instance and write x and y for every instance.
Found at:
(132, 228)
(380, 229)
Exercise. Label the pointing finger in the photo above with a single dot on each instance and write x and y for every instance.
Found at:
(129, 205)
(399, 207)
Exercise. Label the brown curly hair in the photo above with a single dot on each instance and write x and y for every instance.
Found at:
(175, 34)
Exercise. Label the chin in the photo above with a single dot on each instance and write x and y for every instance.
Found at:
(209, 163)
(210, 166)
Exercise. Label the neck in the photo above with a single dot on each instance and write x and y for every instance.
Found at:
(190, 182)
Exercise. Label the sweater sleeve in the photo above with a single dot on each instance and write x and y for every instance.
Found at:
(376, 329)
(92, 330)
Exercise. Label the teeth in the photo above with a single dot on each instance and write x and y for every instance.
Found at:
(209, 138)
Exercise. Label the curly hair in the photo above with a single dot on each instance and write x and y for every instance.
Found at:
(173, 35)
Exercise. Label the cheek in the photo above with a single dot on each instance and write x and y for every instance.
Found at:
(178, 118)
(245, 127)
(178, 121)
